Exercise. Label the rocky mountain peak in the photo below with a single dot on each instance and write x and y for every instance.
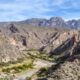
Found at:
(56, 19)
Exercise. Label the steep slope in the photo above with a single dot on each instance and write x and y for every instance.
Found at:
(52, 41)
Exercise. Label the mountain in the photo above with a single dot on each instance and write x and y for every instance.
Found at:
(25, 35)
(55, 22)
(55, 40)
(75, 24)
(20, 37)
(52, 22)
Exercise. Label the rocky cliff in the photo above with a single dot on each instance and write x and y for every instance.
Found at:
(15, 37)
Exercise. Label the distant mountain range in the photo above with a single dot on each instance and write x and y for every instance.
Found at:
(55, 22)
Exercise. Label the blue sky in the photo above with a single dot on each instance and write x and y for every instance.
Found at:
(16, 10)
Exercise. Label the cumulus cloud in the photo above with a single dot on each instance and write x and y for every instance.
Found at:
(11, 10)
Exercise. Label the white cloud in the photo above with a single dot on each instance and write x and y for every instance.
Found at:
(22, 9)
(16, 8)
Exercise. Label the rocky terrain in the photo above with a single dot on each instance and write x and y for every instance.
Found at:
(34, 38)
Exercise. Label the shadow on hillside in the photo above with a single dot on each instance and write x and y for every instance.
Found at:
(63, 47)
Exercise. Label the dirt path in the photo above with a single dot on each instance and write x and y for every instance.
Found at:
(38, 64)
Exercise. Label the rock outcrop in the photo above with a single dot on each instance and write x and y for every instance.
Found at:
(13, 29)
